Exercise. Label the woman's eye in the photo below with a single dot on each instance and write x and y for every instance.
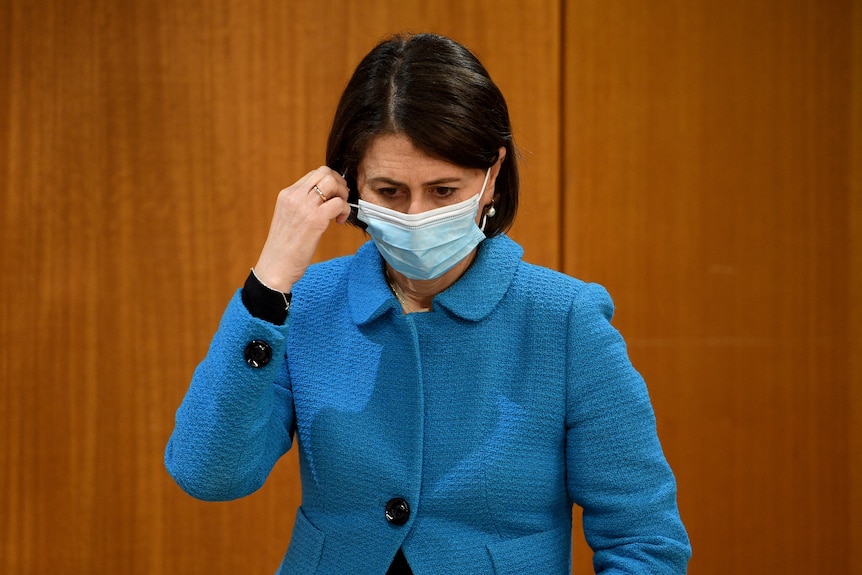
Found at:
(388, 192)
(443, 191)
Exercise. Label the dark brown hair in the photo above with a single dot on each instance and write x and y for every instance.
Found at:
(437, 93)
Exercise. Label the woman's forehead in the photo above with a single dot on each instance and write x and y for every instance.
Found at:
(394, 156)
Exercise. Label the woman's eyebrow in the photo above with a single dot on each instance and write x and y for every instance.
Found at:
(391, 182)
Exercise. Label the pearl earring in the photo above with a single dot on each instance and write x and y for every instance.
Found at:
(490, 212)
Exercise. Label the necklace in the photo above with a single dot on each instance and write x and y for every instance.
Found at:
(399, 295)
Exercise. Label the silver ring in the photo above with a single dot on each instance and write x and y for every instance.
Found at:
(319, 193)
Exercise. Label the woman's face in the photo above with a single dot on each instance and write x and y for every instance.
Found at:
(396, 175)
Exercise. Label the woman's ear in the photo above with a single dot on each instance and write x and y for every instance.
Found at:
(488, 196)
(495, 169)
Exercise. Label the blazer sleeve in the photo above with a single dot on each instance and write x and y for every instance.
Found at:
(235, 420)
(616, 470)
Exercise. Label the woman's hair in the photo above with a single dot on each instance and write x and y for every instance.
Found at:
(437, 93)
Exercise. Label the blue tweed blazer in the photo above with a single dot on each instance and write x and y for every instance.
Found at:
(487, 417)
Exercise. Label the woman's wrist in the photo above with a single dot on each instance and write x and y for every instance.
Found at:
(263, 302)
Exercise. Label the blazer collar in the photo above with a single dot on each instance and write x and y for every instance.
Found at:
(472, 297)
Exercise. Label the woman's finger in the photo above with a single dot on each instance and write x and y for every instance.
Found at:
(331, 185)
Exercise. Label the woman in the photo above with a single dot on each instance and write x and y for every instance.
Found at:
(449, 401)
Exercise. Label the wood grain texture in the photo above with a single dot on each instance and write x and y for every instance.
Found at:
(709, 147)
(855, 310)
(701, 159)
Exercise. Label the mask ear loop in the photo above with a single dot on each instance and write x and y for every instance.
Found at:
(490, 211)
(356, 205)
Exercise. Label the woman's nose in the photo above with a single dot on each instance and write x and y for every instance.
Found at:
(418, 204)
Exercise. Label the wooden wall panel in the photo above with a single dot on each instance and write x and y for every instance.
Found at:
(709, 175)
(143, 144)
(855, 311)
(709, 169)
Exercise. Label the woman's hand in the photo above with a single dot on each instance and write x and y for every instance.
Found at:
(302, 213)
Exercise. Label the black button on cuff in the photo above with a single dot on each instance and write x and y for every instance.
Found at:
(257, 353)
(397, 511)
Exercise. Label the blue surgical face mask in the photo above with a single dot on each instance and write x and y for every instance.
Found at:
(425, 246)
